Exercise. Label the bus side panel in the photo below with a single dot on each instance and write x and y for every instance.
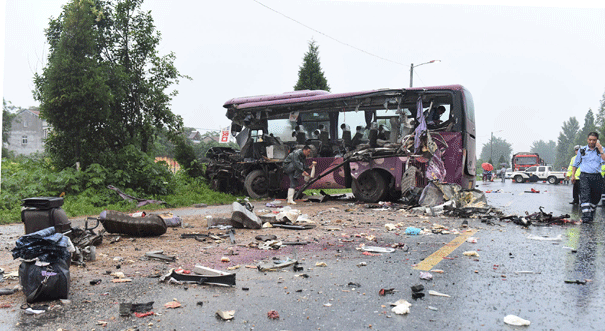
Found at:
(334, 180)
(471, 155)
(393, 165)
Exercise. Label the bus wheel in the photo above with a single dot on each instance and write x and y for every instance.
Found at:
(369, 187)
(257, 184)
(519, 179)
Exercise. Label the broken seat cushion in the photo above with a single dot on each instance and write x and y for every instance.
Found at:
(148, 226)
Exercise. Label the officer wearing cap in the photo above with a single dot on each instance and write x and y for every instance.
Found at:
(589, 159)
(576, 185)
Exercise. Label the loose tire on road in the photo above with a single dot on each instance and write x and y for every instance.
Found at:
(369, 187)
(257, 184)
(519, 179)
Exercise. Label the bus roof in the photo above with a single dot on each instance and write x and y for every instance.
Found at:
(299, 98)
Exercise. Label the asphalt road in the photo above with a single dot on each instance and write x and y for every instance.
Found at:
(513, 274)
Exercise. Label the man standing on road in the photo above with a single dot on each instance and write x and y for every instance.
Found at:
(294, 166)
(576, 185)
(589, 159)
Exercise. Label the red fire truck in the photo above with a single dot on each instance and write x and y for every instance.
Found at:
(524, 160)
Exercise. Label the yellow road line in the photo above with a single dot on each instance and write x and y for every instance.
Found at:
(432, 260)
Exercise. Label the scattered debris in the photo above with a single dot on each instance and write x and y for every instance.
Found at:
(274, 267)
(159, 255)
(435, 293)
(172, 304)
(401, 307)
(577, 281)
(200, 275)
(432, 308)
(426, 275)
(384, 291)
(226, 314)
(471, 253)
(516, 321)
(117, 222)
(375, 249)
(534, 237)
(273, 314)
(245, 216)
(321, 264)
(412, 231)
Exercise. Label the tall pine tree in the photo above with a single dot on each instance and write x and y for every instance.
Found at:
(310, 75)
(600, 121)
(565, 142)
(589, 126)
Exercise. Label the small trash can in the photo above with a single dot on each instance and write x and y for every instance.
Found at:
(42, 212)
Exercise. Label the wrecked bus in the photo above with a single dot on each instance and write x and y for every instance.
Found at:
(383, 144)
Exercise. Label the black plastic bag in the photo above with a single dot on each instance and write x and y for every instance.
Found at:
(44, 283)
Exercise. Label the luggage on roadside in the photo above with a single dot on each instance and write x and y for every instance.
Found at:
(43, 212)
(44, 281)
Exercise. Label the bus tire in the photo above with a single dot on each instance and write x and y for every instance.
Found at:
(552, 180)
(519, 179)
(369, 187)
(257, 184)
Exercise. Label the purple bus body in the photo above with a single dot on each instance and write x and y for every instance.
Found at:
(452, 160)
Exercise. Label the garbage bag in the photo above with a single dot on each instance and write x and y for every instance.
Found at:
(148, 226)
(43, 281)
(45, 245)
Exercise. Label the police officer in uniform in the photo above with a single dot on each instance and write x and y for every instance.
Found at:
(589, 159)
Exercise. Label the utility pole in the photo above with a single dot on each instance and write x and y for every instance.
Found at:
(491, 148)
(412, 66)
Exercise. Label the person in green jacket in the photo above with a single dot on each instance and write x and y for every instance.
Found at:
(576, 185)
(294, 167)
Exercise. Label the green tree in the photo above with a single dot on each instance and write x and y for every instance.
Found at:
(72, 89)
(141, 107)
(600, 121)
(565, 142)
(310, 75)
(8, 114)
(589, 126)
(496, 148)
(546, 150)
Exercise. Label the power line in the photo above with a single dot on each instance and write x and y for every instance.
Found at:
(336, 40)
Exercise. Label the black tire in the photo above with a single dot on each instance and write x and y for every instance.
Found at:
(369, 187)
(257, 184)
(552, 180)
(519, 179)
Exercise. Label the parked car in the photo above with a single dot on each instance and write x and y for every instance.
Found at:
(534, 174)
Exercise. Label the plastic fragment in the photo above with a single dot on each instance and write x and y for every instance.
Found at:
(516, 320)
(471, 240)
(402, 307)
(471, 253)
(412, 231)
(432, 308)
(390, 227)
(534, 237)
(321, 264)
(376, 249)
(172, 304)
(149, 313)
(226, 314)
(273, 314)
(435, 293)
(426, 275)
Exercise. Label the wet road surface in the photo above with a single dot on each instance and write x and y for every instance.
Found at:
(512, 275)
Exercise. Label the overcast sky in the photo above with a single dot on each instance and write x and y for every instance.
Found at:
(528, 68)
